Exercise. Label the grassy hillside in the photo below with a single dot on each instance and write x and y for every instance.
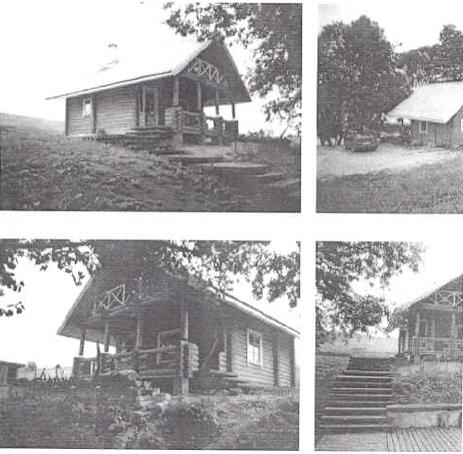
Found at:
(42, 169)
(86, 416)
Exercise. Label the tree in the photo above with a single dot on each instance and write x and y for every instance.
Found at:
(358, 79)
(442, 62)
(339, 309)
(273, 32)
(216, 263)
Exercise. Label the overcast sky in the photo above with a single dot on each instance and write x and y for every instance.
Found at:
(412, 24)
(48, 43)
(48, 296)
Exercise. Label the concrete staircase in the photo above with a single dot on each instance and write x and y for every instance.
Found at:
(359, 397)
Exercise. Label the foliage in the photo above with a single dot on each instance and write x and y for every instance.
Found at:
(358, 81)
(341, 264)
(437, 63)
(216, 263)
(263, 28)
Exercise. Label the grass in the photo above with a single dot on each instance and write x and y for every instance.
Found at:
(44, 170)
(90, 416)
(430, 188)
(427, 382)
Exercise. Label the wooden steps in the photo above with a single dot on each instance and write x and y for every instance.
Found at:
(359, 397)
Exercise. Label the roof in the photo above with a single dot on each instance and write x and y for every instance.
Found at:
(10, 364)
(93, 287)
(147, 65)
(437, 103)
(456, 282)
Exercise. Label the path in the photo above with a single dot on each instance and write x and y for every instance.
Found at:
(335, 161)
(428, 439)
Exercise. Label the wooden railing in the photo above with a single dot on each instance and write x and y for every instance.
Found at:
(163, 362)
(437, 346)
(109, 300)
(191, 122)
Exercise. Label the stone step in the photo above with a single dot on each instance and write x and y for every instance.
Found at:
(334, 410)
(234, 168)
(287, 184)
(368, 378)
(269, 177)
(367, 372)
(355, 419)
(361, 396)
(359, 403)
(344, 388)
(355, 427)
(187, 159)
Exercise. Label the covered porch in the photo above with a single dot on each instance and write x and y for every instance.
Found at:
(159, 337)
(177, 103)
(435, 329)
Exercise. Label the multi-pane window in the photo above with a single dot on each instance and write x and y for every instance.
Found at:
(254, 348)
(424, 127)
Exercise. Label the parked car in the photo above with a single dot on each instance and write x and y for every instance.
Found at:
(361, 141)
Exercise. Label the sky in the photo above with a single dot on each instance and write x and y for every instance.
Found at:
(408, 24)
(48, 296)
(51, 42)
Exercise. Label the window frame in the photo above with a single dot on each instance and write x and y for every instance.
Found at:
(249, 360)
(425, 130)
(85, 102)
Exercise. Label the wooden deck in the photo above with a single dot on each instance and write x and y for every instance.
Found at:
(432, 439)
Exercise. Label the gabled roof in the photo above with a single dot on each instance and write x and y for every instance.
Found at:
(437, 103)
(166, 60)
(96, 284)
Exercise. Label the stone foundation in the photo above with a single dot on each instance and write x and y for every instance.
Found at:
(425, 415)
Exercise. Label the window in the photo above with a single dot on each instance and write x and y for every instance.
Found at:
(254, 348)
(87, 107)
(423, 329)
(423, 127)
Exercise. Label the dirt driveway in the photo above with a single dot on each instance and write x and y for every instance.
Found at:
(334, 162)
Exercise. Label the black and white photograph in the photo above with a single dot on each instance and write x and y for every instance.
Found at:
(150, 106)
(389, 346)
(390, 108)
(149, 344)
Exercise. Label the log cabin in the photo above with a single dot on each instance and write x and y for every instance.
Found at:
(435, 112)
(431, 326)
(177, 334)
(166, 91)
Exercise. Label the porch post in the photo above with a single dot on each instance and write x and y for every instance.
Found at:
(94, 114)
(454, 328)
(233, 110)
(181, 382)
(417, 325)
(83, 332)
(406, 342)
(176, 92)
(139, 338)
(199, 95)
(292, 358)
(400, 342)
(217, 108)
(106, 336)
(417, 335)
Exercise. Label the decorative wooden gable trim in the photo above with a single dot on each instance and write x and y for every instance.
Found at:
(448, 298)
(204, 70)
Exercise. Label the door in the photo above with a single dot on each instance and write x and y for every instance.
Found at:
(151, 106)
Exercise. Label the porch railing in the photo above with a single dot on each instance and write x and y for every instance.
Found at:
(437, 346)
(170, 361)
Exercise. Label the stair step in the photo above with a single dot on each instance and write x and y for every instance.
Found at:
(345, 419)
(290, 183)
(359, 403)
(355, 410)
(354, 427)
(377, 378)
(362, 396)
(234, 168)
(269, 177)
(187, 159)
(367, 372)
(361, 385)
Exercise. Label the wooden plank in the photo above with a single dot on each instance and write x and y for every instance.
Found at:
(106, 336)
(82, 341)
(217, 102)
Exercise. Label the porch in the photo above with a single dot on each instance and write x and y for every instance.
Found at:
(150, 333)
(437, 348)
